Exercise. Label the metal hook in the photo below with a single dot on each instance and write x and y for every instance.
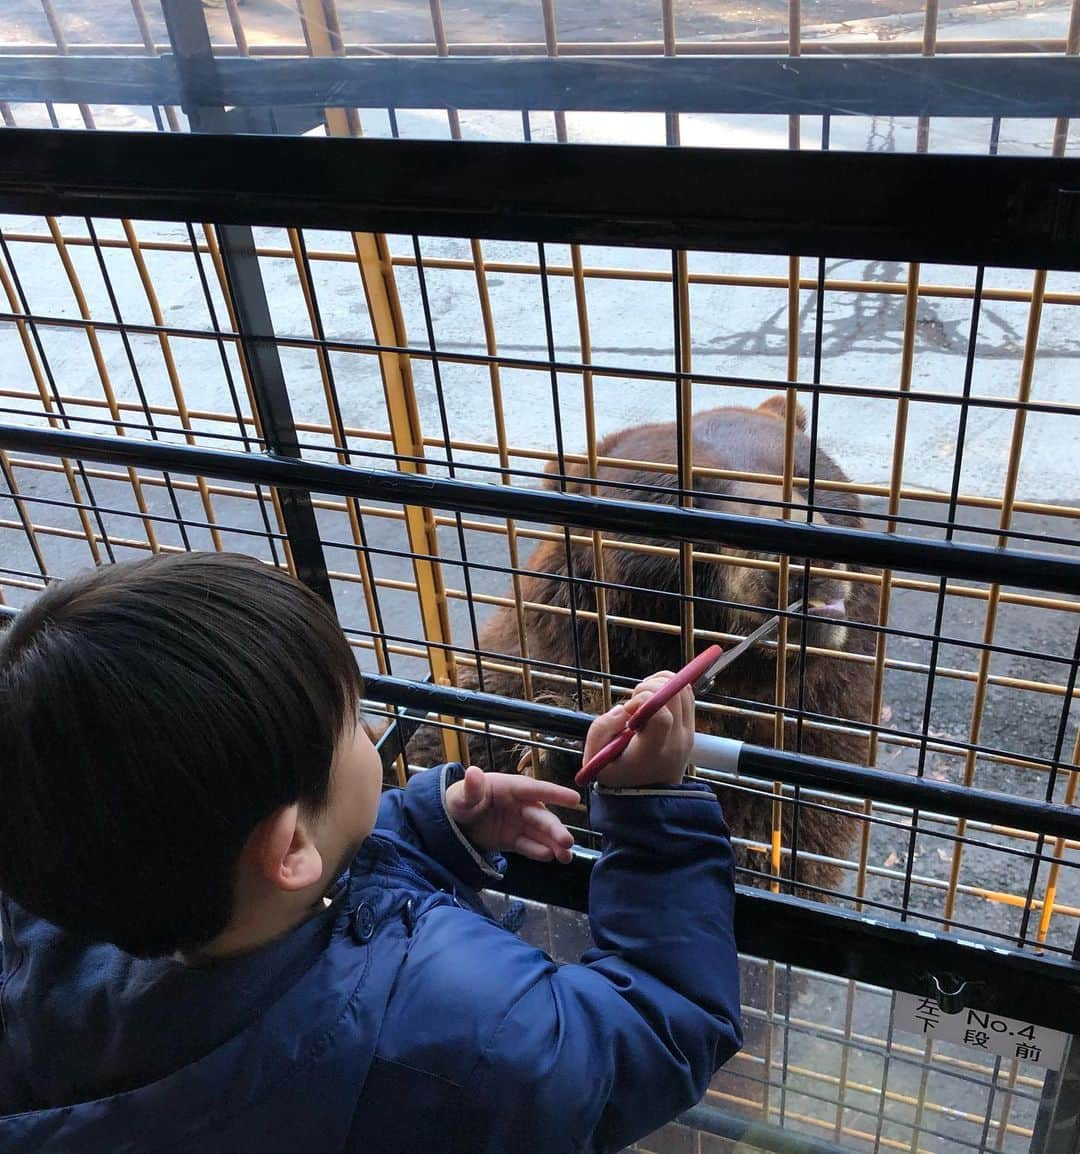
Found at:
(949, 1001)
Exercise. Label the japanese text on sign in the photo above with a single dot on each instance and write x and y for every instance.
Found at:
(980, 1030)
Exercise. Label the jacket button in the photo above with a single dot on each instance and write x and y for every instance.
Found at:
(363, 922)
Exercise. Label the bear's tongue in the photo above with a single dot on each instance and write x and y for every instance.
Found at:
(834, 609)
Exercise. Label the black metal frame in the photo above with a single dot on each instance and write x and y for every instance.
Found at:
(1039, 86)
(1045, 571)
(379, 185)
(190, 39)
(986, 211)
(1013, 212)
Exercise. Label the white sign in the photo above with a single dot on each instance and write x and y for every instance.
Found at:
(980, 1030)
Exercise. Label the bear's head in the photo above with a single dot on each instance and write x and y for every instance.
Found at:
(738, 455)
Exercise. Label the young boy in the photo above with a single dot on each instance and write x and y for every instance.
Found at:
(217, 937)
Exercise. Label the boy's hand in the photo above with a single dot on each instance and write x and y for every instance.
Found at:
(659, 753)
(506, 812)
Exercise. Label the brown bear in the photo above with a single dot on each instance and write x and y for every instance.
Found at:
(733, 598)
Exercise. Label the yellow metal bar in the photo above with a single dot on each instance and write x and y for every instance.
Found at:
(26, 521)
(1050, 896)
(237, 26)
(1012, 475)
(929, 46)
(49, 409)
(102, 369)
(442, 49)
(62, 50)
(322, 35)
(1072, 48)
(170, 367)
(322, 31)
(1003, 1126)
(911, 302)
(148, 43)
(351, 505)
(667, 17)
(845, 1052)
(551, 44)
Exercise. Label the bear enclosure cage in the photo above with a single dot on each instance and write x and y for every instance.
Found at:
(604, 344)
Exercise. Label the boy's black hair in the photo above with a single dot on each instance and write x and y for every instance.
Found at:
(151, 714)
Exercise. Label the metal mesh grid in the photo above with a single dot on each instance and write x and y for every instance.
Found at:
(87, 304)
(85, 330)
(496, 361)
(821, 1061)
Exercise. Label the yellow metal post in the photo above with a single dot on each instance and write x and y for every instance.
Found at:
(377, 274)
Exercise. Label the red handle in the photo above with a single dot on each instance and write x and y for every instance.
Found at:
(688, 675)
(603, 757)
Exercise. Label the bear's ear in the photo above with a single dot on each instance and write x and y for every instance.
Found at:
(777, 406)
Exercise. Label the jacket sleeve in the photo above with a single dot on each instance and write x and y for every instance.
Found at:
(592, 1057)
(416, 816)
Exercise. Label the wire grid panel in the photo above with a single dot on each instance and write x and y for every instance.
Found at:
(126, 326)
(519, 372)
(940, 394)
(821, 1060)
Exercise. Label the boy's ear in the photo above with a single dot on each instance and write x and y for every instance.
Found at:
(282, 851)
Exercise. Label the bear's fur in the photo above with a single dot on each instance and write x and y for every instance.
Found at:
(737, 439)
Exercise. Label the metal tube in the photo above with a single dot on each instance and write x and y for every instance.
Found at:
(975, 562)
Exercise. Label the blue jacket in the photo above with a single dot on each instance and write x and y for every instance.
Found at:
(402, 1018)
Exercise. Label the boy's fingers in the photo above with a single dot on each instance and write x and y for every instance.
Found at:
(684, 704)
(529, 789)
(541, 823)
(659, 725)
(529, 848)
(563, 853)
(605, 728)
(473, 787)
(645, 689)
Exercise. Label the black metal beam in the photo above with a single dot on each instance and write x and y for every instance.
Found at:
(121, 79)
(754, 760)
(196, 65)
(980, 563)
(1000, 211)
(1036, 987)
(190, 39)
(749, 1134)
(862, 85)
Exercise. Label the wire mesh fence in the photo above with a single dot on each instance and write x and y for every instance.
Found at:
(925, 402)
